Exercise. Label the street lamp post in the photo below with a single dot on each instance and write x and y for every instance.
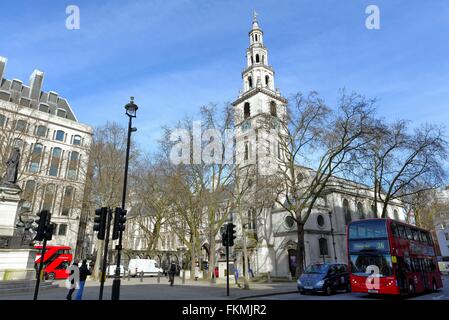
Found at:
(332, 234)
(131, 111)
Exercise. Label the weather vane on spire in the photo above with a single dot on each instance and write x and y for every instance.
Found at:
(255, 14)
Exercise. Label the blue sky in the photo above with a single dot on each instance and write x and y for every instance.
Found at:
(177, 55)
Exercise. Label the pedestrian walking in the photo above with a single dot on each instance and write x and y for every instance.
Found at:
(236, 275)
(171, 273)
(84, 272)
(74, 272)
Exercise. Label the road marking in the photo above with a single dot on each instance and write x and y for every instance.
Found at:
(438, 297)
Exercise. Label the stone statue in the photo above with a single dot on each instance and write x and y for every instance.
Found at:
(12, 168)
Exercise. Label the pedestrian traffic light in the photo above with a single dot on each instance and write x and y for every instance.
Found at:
(224, 236)
(119, 222)
(41, 225)
(100, 222)
(231, 233)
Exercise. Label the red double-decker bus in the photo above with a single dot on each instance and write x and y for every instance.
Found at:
(390, 257)
(56, 261)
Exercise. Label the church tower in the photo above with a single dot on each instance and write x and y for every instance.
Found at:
(258, 101)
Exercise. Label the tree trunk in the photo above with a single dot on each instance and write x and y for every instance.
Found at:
(99, 259)
(211, 259)
(300, 250)
(192, 262)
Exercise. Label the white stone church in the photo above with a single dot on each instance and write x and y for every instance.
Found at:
(271, 236)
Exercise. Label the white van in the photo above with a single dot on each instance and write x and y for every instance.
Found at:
(148, 266)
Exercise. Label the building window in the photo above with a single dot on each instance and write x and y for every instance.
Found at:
(250, 82)
(267, 80)
(320, 220)
(289, 222)
(67, 201)
(323, 247)
(256, 37)
(55, 161)
(73, 165)
(28, 194)
(41, 131)
(252, 60)
(273, 109)
(36, 158)
(446, 235)
(61, 113)
(77, 140)
(246, 110)
(257, 58)
(395, 214)
(360, 212)
(62, 230)
(49, 197)
(246, 155)
(20, 125)
(373, 211)
(346, 211)
(60, 135)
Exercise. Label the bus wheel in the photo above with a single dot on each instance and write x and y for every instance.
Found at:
(51, 276)
(411, 289)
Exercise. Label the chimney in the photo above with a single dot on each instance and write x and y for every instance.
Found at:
(3, 61)
(36, 81)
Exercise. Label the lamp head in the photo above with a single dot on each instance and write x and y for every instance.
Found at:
(131, 108)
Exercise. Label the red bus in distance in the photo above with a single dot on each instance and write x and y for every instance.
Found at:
(56, 260)
(390, 257)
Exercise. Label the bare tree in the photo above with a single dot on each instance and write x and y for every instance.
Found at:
(310, 130)
(402, 163)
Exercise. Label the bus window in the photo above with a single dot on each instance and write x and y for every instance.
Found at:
(415, 234)
(422, 236)
(432, 266)
(401, 231)
(409, 233)
(394, 230)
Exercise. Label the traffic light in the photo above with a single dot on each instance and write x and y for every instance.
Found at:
(231, 233)
(100, 222)
(41, 225)
(49, 231)
(119, 222)
(224, 236)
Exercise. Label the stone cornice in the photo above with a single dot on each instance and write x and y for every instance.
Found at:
(255, 91)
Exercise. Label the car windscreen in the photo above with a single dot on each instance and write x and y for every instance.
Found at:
(317, 268)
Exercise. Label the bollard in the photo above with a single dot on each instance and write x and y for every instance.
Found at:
(129, 275)
(141, 276)
(158, 277)
(269, 277)
(183, 277)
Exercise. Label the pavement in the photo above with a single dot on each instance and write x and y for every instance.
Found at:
(150, 289)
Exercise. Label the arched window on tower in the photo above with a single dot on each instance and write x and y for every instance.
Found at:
(250, 82)
(267, 80)
(252, 60)
(263, 59)
(273, 111)
(246, 110)
(257, 58)
(256, 37)
(246, 155)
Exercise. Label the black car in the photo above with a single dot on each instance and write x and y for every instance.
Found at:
(324, 278)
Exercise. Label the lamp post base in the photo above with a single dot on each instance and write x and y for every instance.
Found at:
(115, 289)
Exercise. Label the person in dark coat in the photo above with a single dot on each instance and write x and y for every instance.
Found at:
(171, 273)
(84, 272)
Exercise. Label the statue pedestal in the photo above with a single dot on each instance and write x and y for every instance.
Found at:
(17, 264)
(9, 204)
